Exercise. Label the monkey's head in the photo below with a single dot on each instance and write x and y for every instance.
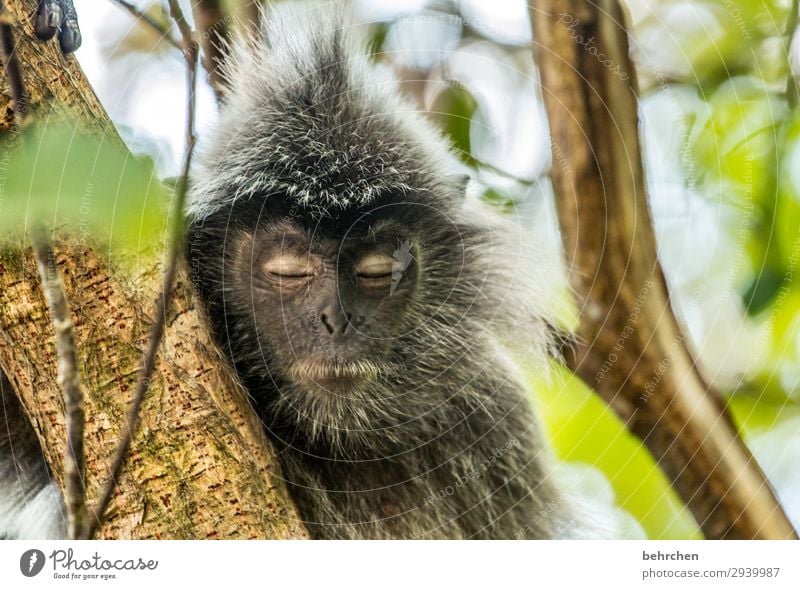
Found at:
(334, 251)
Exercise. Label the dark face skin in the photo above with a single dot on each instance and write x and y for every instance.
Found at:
(327, 301)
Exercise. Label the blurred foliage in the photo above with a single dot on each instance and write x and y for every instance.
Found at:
(67, 179)
(582, 428)
(744, 140)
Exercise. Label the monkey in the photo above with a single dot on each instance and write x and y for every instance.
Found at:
(58, 17)
(364, 301)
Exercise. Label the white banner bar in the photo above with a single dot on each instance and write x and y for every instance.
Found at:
(387, 565)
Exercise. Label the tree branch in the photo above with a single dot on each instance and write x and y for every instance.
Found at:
(69, 382)
(630, 347)
(174, 249)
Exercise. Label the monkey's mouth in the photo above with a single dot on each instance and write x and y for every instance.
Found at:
(336, 375)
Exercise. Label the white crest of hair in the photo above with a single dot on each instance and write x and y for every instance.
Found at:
(300, 91)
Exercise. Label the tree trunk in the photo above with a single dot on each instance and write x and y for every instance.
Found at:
(200, 465)
(630, 348)
(51, 79)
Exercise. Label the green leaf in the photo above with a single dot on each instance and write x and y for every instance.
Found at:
(64, 178)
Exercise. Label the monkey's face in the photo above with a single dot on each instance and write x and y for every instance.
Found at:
(349, 323)
(327, 302)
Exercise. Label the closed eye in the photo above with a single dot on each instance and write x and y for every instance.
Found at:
(375, 266)
(290, 266)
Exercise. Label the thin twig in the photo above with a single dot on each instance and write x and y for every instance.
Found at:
(11, 66)
(187, 36)
(481, 165)
(68, 381)
(149, 21)
(175, 246)
(212, 27)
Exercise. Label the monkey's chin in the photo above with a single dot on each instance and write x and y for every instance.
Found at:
(333, 377)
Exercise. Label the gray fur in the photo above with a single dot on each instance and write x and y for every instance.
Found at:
(285, 126)
(443, 443)
(31, 506)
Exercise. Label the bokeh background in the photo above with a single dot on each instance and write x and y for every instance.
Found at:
(721, 134)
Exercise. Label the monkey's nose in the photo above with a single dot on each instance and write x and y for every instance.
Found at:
(335, 321)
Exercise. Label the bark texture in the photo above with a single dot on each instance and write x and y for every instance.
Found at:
(630, 347)
(57, 88)
(200, 465)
